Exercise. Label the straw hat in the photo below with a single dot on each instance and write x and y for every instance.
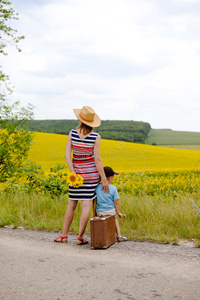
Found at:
(88, 116)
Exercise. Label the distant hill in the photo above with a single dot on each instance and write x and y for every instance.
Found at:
(129, 131)
(170, 137)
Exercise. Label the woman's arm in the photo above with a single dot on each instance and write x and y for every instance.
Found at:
(68, 151)
(99, 164)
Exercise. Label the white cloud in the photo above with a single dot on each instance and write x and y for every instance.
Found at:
(137, 60)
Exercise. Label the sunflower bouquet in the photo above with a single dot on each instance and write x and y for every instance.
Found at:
(75, 179)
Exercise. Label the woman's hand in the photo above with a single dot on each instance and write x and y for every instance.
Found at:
(105, 186)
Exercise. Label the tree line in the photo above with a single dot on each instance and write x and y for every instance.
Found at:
(129, 131)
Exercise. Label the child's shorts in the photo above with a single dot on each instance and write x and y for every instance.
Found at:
(104, 213)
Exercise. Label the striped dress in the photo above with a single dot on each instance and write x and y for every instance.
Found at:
(84, 165)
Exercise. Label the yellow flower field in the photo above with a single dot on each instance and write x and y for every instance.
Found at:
(169, 183)
(144, 169)
(49, 149)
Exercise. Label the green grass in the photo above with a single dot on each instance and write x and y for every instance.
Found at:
(170, 137)
(148, 218)
(157, 219)
(186, 147)
(32, 210)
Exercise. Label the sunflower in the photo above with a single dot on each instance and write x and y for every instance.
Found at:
(80, 179)
(71, 178)
(74, 180)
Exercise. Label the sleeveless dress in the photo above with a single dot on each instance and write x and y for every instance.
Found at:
(84, 165)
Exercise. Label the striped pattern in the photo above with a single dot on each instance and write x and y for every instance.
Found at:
(84, 164)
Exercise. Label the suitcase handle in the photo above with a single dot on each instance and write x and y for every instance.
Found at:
(101, 218)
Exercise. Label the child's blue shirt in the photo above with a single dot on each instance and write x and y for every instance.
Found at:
(105, 201)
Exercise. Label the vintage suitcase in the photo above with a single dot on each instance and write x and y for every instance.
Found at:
(102, 232)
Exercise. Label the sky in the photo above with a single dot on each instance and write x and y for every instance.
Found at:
(128, 59)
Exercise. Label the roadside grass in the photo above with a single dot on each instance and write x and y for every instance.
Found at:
(151, 218)
(160, 219)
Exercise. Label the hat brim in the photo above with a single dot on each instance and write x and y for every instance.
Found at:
(95, 123)
(116, 173)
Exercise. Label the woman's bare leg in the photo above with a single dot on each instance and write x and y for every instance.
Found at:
(69, 215)
(86, 206)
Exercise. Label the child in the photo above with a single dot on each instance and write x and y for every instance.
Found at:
(107, 204)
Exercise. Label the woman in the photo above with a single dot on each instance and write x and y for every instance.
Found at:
(86, 161)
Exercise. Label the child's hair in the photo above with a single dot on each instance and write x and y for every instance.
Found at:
(109, 172)
(86, 129)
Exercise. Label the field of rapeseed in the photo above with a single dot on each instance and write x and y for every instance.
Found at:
(49, 149)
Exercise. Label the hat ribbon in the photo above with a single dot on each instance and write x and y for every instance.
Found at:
(86, 119)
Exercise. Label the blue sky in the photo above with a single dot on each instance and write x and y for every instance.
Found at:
(128, 59)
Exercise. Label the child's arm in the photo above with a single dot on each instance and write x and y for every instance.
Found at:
(94, 207)
(117, 209)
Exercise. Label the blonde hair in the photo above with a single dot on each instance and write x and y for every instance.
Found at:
(86, 129)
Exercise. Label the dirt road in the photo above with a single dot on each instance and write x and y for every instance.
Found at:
(34, 267)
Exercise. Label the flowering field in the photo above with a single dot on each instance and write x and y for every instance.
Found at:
(144, 169)
(49, 149)
(168, 183)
